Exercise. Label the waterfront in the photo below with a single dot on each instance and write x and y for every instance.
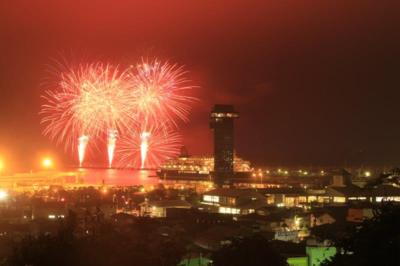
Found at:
(79, 177)
(118, 177)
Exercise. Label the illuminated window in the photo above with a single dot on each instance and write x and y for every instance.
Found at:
(302, 199)
(289, 201)
(210, 198)
(357, 198)
(270, 199)
(379, 199)
(231, 201)
(312, 198)
(226, 210)
(339, 199)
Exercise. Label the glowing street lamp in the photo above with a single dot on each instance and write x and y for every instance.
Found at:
(3, 195)
(367, 173)
(47, 163)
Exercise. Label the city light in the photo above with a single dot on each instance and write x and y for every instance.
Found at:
(1, 165)
(367, 173)
(47, 163)
(3, 195)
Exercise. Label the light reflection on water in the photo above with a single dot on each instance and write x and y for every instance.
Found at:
(119, 177)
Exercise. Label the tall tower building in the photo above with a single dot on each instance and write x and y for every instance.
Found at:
(221, 121)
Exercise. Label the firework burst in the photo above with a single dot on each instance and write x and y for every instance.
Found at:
(159, 92)
(139, 108)
(87, 102)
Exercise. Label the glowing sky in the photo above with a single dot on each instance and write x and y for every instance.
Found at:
(315, 82)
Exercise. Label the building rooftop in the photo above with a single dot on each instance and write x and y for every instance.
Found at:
(385, 190)
(230, 192)
(339, 213)
(168, 203)
(254, 204)
(354, 191)
(283, 190)
(346, 191)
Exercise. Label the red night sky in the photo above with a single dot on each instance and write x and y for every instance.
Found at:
(315, 82)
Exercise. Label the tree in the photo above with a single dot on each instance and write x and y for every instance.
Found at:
(44, 250)
(375, 242)
(248, 251)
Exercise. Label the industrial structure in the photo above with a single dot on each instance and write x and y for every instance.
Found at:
(221, 121)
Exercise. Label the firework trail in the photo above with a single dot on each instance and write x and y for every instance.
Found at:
(82, 143)
(112, 139)
(144, 147)
(148, 149)
(86, 102)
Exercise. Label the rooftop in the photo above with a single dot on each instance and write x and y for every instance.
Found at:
(235, 193)
(168, 203)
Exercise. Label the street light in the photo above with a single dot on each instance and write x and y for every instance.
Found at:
(3, 195)
(47, 163)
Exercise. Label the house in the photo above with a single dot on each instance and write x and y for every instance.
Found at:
(343, 194)
(321, 219)
(385, 192)
(328, 215)
(233, 201)
(358, 215)
(285, 196)
(160, 208)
